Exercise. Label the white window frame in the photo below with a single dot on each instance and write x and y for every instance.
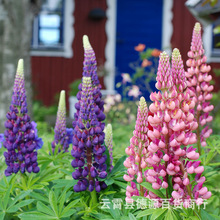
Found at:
(207, 42)
(67, 50)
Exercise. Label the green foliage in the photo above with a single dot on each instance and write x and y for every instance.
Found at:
(73, 87)
(40, 112)
(49, 194)
(9, 205)
(123, 113)
(56, 205)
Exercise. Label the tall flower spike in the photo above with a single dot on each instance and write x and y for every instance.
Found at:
(178, 73)
(63, 136)
(88, 148)
(90, 70)
(198, 81)
(137, 151)
(173, 124)
(108, 143)
(21, 139)
(164, 79)
(88, 139)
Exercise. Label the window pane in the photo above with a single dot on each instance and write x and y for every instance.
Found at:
(52, 21)
(49, 36)
(216, 41)
(48, 26)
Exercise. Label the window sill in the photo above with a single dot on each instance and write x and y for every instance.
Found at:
(49, 53)
(213, 59)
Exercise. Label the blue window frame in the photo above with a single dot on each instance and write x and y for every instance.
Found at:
(48, 27)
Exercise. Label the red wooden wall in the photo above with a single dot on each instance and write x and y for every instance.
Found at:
(52, 74)
(183, 23)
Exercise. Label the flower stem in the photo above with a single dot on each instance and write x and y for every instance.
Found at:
(188, 186)
(198, 134)
(140, 170)
(167, 152)
(94, 197)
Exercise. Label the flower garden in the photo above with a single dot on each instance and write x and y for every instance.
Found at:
(169, 170)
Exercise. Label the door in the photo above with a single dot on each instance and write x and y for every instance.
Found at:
(138, 21)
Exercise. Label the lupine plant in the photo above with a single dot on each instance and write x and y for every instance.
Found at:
(21, 139)
(137, 151)
(109, 144)
(63, 136)
(163, 168)
(169, 164)
(198, 81)
(88, 140)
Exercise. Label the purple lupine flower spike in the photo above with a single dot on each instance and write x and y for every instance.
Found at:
(88, 132)
(21, 139)
(88, 148)
(63, 136)
(90, 70)
(108, 143)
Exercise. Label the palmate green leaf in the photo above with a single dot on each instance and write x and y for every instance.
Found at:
(68, 173)
(6, 182)
(159, 213)
(35, 216)
(109, 181)
(121, 184)
(53, 202)
(109, 193)
(214, 164)
(131, 216)
(102, 216)
(61, 200)
(210, 156)
(52, 177)
(69, 206)
(39, 196)
(19, 205)
(41, 207)
(69, 213)
(118, 166)
(2, 215)
(19, 197)
(169, 215)
(64, 183)
(6, 199)
(47, 171)
(194, 218)
(155, 191)
(145, 213)
(205, 215)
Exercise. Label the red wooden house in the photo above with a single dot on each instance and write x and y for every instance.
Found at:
(114, 28)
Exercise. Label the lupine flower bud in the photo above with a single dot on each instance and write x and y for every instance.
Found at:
(88, 136)
(21, 139)
(198, 80)
(108, 143)
(163, 78)
(63, 136)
